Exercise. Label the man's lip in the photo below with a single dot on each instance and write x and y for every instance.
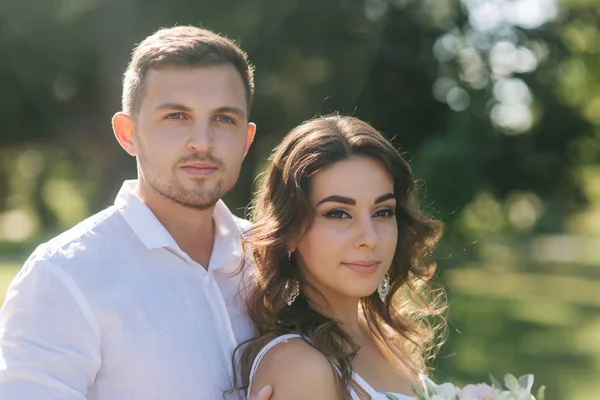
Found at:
(200, 166)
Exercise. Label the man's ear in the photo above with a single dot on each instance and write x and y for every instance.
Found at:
(250, 137)
(123, 128)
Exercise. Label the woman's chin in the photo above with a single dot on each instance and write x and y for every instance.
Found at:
(360, 294)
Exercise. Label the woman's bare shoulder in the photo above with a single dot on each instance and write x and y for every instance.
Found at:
(296, 370)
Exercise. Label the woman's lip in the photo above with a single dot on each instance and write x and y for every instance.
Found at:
(362, 267)
(364, 263)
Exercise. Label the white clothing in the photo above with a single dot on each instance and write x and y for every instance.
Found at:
(357, 378)
(113, 309)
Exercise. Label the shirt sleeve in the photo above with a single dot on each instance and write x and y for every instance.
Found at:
(49, 337)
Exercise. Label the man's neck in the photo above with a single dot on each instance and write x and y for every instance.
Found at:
(193, 230)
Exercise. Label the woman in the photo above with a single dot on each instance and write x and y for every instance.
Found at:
(341, 295)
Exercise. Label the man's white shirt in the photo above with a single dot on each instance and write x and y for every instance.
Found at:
(114, 309)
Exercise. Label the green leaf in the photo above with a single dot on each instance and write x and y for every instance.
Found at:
(511, 382)
(392, 397)
(541, 393)
(495, 382)
(430, 388)
(420, 395)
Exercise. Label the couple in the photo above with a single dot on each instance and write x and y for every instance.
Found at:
(167, 295)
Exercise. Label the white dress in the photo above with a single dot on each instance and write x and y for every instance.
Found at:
(357, 378)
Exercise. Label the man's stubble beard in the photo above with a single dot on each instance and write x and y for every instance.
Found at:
(197, 199)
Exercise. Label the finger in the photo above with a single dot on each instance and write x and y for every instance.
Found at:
(264, 394)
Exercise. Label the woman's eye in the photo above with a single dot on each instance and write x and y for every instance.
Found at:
(175, 116)
(384, 213)
(337, 214)
(225, 119)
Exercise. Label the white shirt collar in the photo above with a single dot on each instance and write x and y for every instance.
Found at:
(141, 219)
(227, 249)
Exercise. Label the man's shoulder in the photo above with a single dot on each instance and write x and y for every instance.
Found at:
(89, 236)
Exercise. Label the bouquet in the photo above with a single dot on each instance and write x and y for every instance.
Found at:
(516, 389)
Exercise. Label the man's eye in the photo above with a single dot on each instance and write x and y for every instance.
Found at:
(175, 116)
(337, 214)
(225, 119)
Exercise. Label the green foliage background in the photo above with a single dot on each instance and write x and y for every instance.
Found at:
(496, 103)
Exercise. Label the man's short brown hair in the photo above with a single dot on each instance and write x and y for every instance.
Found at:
(182, 46)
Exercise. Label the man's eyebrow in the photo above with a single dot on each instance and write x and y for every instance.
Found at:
(229, 109)
(181, 107)
(172, 106)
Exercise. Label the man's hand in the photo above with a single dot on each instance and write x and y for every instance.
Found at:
(264, 394)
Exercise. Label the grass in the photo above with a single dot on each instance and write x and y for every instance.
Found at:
(520, 310)
(575, 290)
(515, 310)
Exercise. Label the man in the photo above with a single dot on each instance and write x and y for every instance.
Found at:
(140, 301)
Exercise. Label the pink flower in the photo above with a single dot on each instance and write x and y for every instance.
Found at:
(477, 392)
(446, 391)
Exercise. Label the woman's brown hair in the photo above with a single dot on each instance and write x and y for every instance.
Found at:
(410, 321)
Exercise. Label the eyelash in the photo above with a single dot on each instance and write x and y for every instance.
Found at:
(175, 119)
(231, 120)
(341, 214)
(218, 118)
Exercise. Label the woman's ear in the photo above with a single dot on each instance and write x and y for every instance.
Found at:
(292, 245)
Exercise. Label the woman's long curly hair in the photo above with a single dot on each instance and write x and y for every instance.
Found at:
(410, 321)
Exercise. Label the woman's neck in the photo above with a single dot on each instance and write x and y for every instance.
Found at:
(343, 310)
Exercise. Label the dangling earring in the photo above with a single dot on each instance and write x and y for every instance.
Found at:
(384, 288)
(290, 291)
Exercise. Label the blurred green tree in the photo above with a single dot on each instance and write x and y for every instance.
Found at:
(495, 102)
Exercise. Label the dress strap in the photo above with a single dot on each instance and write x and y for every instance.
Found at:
(275, 342)
(264, 350)
(365, 386)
